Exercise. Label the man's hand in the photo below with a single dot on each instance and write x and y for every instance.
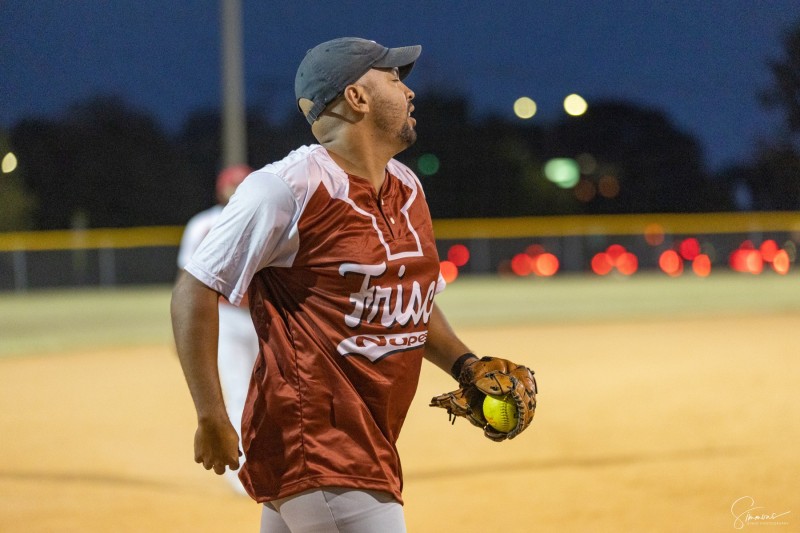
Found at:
(216, 445)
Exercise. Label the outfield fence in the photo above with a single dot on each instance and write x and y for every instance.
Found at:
(572, 244)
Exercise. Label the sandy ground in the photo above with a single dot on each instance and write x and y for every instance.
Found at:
(643, 425)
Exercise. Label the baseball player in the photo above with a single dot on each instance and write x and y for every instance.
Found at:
(238, 343)
(334, 247)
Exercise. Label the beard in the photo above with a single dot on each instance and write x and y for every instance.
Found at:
(392, 119)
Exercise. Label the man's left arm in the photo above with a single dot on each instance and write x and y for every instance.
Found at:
(443, 347)
(478, 378)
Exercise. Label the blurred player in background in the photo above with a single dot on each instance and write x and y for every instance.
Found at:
(238, 343)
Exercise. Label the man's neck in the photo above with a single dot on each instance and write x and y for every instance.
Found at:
(363, 161)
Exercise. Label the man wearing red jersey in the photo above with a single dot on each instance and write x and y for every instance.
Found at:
(334, 247)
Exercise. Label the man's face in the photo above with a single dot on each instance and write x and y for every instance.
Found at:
(391, 105)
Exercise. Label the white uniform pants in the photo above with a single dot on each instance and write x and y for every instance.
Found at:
(236, 355)
(334, 510)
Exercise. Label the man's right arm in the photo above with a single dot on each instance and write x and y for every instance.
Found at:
(195, 326)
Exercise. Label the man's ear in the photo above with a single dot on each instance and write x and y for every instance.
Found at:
(357, 98)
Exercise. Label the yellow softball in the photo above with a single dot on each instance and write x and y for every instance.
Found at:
(500, 412)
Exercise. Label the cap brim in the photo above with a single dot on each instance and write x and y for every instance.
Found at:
(403, 58)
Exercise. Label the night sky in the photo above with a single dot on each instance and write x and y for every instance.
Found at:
(702, 63)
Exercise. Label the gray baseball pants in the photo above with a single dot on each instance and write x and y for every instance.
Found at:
(335, 510)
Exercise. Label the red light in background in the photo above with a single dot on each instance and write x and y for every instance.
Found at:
(738, 260)
(689, 248)
(627, 264)
(747, 258)
(449, 271)
(701, 265)
(521, 265)
(545, 264)
(458, 254)
(602, 264)
(534, 249)
(768, 250)
(671, 263)
(781, 262)
(585, 191)
(754, 261)
(614, 252)
(608, 186)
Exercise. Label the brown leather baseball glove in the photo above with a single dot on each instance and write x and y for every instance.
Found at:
(498, 377)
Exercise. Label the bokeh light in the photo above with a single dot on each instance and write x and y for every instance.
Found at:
(608, 186)
(627, 264)
(524, 107)
(521, 265)
(701, 265)
(738, 260)
(449, 271)
(754, 262)
(458, 254)
(671, 263)
(563, 171)
(747, 259)
(534, 249)
(689, 248)
(428, 164)
(9, 163)
(614, 252)
(602, 264)
(768, 250)
(575, 105)
(781, 262)
(585, 191)
(545, 264)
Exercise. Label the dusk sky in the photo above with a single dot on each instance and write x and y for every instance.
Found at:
(701, 63)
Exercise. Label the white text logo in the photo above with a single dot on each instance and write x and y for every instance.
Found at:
(376, 347)
(745, 514)
(389, 305)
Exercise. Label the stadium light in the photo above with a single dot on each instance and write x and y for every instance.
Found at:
(524, 107)
(9, 163)
(563, 171)
(575, 105)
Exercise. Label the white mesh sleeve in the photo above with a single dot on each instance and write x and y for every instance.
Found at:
(257, 229)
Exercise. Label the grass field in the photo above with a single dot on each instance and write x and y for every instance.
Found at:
(665, 404)
(56, 321)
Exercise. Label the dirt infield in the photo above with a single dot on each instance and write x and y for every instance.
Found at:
(643, 425)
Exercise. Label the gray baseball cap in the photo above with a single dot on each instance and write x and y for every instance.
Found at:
(328, 68)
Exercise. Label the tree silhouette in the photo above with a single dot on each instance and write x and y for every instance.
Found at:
(777, 181)
(104, 164)
(656, 167)
(784, 94)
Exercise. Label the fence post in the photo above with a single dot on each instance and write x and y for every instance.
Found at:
(20, 261)
(107, 264)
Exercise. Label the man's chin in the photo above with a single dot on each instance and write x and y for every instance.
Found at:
(409, 136)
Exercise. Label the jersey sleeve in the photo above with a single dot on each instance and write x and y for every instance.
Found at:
(257, 229)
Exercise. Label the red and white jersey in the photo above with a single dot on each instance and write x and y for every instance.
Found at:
(341, 284)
